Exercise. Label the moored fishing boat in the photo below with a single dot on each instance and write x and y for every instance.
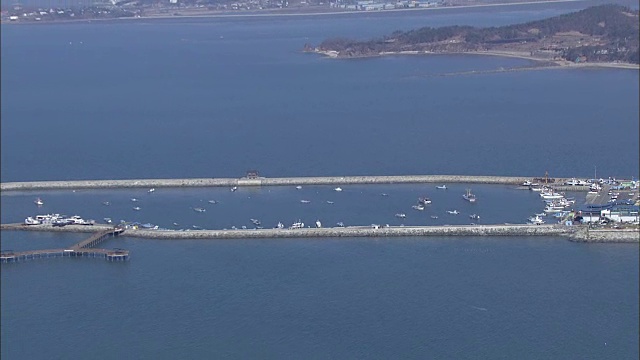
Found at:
(536, 220)
(469, 196)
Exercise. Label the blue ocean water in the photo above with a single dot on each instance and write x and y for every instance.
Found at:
(215, 97)
(464, 298)
(94, 100)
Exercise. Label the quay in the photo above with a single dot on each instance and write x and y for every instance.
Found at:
(254, 180)
(83, 248)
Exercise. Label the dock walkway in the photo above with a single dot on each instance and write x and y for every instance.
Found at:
(83, 248)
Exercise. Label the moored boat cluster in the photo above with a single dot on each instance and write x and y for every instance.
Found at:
(57, 220)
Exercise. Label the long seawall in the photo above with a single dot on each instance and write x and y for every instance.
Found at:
(261, 181)
(573, 233)
(351, 231)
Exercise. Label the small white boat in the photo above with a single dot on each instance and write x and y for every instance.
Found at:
(453, 212)
(305, 201)
(212, 202)
(31, 221)
(424, 201)
(234, 188)
(340, 224)
(338, 189)
(475, 216)
(384, 194)
(537, 220)
(255, 222)
(108, 220)
(199, 209)
(176, 224)
(297, 225)
(443, 187)
(136, 208)
(434, 216)
(280, 225)
(318, 224)
(550, 195)
(401, 215)
(134, 199)
(329, 202)
(418, 207)
(38, 202)
(152, 190)
(298, 187)
(106, 203)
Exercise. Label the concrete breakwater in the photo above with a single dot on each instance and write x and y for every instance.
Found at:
(573, 233)
(364, 231)
(261, 181)
(351, 231)
(606, 235)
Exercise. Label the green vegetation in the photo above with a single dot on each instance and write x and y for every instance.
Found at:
(600, 33)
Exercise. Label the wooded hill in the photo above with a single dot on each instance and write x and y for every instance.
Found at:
(599, 33)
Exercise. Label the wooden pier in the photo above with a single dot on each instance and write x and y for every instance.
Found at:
(83, 248)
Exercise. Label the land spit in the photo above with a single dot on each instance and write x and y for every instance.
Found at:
(262, 181)
(573, 233)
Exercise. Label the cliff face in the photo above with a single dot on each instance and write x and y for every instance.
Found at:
(600, 33)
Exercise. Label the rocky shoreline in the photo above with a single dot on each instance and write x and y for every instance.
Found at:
(543, 63)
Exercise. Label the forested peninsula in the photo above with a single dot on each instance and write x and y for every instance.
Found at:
(599, 34)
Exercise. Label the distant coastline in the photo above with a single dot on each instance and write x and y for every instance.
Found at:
(598, 36)
(293, 12)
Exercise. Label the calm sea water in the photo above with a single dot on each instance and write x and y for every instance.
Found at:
(216, 97)
(210, 98)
